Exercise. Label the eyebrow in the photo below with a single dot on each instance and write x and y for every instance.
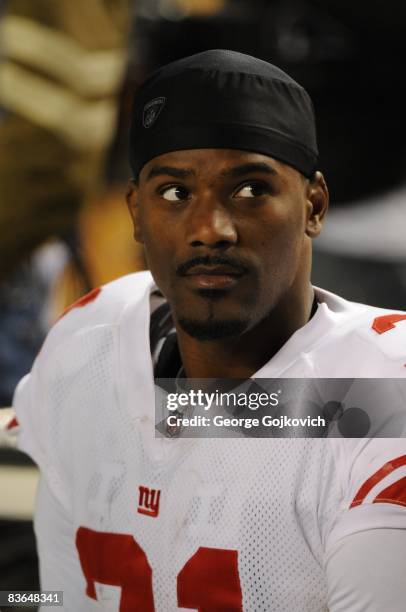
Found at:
(249, 169)
(169, 170)
(234, 172)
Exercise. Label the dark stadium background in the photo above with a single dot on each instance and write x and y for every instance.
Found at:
(63, 232)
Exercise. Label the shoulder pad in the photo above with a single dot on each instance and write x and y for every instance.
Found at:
(101, 306)
(385, 329)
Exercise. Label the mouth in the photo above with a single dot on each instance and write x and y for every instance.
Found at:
(213, 277)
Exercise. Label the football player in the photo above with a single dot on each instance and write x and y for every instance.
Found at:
(226, 198)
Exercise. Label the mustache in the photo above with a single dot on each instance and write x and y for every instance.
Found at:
(216, 260)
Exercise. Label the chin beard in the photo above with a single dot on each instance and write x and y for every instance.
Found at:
(213, 330)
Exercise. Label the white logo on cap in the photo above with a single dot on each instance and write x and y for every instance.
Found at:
(152, 110)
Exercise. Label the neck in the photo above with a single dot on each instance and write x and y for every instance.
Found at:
(242, 356)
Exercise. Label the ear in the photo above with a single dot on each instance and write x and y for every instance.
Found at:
(318, 199)
(132, 199)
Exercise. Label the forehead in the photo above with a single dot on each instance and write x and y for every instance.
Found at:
(217, 163)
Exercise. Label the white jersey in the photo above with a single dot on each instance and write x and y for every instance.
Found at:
(126, 521)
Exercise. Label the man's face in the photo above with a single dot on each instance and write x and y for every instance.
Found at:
(226, 234)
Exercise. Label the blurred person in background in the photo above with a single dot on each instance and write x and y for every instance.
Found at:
(62, 66)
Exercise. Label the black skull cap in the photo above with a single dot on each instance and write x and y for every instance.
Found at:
(224, 100)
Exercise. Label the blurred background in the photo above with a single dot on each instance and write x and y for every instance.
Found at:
(68, 69)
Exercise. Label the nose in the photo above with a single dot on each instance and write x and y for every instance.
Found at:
(211, 226)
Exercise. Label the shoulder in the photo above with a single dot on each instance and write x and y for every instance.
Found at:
(385, 329)
(76, 372)
(100, 308)
(377, 334)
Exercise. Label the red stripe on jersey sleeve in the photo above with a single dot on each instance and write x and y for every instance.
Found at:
(13, 423)
(86, 299)
(387, 322)
(394, 494)
(375, 478)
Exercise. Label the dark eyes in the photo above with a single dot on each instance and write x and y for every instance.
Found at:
(254, 189)
(174, 193)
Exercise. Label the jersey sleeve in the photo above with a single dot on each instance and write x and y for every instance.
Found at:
(372, 474)
(38, 401)
(35, 430)
(45, 400)
(370, 470)
(365, 572)
(27, 404)
(59, 563)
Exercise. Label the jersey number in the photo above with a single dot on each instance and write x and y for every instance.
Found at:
(208, 582)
